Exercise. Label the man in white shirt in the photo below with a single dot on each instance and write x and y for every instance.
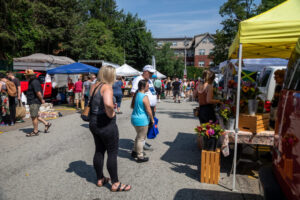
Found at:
(148, 71)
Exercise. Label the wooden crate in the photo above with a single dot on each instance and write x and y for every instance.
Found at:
(254, 124)
(210, 166)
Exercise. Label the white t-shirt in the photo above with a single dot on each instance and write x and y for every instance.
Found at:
(151, 92)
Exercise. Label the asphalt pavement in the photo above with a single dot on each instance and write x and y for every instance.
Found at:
(58, 165)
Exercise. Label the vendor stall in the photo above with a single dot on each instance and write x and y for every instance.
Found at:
(126, 70)
(272, 34)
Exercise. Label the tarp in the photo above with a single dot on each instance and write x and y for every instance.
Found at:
(40, 62)
(160, 75)
(272, 34)
(126, 70)
(75, 68)
(256, 65)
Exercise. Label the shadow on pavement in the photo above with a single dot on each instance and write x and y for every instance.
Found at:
(125, 148)
(184, 155)
(179, 115)
(213, 195)
(85, 125)
(26, 130)
(83, 170)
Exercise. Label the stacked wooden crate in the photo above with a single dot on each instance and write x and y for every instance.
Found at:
(210, 166)
(254, 124)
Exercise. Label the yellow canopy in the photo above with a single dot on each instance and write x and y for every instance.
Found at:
(272, 34)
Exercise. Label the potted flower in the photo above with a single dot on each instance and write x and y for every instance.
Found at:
(227, 112)
(249, 93)
(210, 132)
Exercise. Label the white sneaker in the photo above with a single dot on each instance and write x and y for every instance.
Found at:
(158, 100)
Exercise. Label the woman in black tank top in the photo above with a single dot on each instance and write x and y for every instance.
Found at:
(104, 129)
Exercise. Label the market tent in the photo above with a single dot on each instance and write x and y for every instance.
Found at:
(40, 62)
(126, 70)
(75, 68)
(272, 34)
(160, 75)
(256, 64)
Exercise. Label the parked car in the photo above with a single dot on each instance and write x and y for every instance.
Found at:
(282, 180)
(267, 84)
(41, 77)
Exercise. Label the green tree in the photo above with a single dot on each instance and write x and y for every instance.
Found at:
(93, 40)
(194, 72)
(234, 11)
(167, 63)
(131, 33)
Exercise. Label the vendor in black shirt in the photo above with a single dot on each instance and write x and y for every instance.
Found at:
(34, 100)
(176, 90)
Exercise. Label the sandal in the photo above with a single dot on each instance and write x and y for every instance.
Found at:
(32, 134)
(47, 126)
(104, 181)
(121, 190)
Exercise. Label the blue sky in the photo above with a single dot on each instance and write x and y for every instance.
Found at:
(176, 18)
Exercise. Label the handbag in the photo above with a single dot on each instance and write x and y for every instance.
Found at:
(20, 111)
(85, 115)
(153, 130)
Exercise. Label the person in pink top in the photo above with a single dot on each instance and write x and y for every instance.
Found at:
(78, 92)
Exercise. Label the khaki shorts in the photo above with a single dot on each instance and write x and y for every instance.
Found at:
(78, 96)
(34, 110)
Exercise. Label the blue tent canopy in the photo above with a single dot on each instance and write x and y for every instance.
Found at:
(74, 68)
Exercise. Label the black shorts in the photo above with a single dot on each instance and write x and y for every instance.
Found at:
(176, 93)
(158, 91)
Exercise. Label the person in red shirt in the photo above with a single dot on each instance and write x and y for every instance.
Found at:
(78, 92)
(71, 91)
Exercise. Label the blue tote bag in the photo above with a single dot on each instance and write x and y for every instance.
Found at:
(153, 130)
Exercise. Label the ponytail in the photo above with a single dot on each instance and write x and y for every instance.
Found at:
(133, 99)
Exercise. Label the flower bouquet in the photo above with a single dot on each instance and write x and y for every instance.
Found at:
(249, 93)
(227, 114)
(210, 132)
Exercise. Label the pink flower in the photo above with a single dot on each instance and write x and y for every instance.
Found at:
(211, 132)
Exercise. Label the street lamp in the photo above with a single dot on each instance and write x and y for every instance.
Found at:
(185, 45)
(130, 30)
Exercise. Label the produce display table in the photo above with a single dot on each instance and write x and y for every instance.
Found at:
(263, 138)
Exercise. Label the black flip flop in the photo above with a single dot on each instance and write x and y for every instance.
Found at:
(121, 190)
(47, 126)
(105, 181)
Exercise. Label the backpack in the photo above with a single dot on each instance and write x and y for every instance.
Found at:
(11, 88)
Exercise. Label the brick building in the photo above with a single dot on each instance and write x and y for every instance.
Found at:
(198, 48)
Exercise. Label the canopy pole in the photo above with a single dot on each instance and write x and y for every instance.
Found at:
(237, 116)
(44, 85)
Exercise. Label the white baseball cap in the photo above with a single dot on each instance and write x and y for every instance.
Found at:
(149, 68)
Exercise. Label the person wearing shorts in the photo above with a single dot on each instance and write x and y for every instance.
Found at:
(158, 87)
(78, 92)
(118, 94)
(176, 90)
(34, 100)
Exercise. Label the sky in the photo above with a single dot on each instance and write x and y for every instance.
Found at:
(176, 18)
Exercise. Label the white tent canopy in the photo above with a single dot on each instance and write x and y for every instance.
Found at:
(126, 70)
(255, 64)
(160, 75)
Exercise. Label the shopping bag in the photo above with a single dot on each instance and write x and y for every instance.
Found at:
(153, 130)
(20, 111)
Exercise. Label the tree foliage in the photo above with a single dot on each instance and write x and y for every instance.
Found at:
(167, 63)
(80, 29)
(234, 11)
